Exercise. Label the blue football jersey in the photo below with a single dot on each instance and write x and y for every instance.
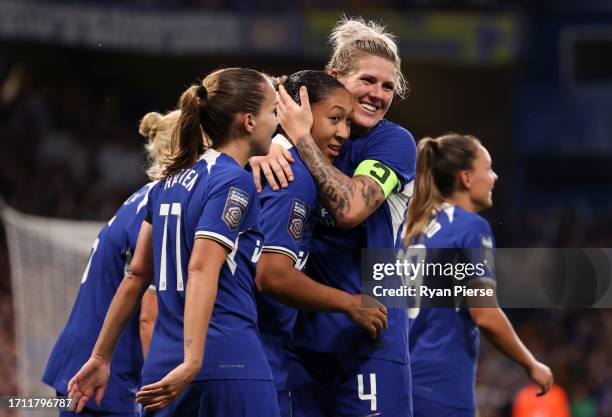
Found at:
(214, 199)
(286, 224)
(335, 256)
(444, 341)
(110, 255)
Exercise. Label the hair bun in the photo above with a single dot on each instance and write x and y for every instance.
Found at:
(149, 123)
(202, 92)
(277, 81)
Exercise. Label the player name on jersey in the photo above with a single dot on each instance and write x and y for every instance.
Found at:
(187, 178)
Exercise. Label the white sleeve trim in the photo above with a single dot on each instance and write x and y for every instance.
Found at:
(282, 141)
(216, 236)
(289, 252)
(483, 280)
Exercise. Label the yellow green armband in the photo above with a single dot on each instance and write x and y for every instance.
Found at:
(382, 174)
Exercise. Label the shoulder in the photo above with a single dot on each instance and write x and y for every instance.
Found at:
(231, 194)
(472, 229)
(139, 194)
(293, 197)
(391, 145)
(469, 220)
(303, 181)
(233, 177)
(392, 131)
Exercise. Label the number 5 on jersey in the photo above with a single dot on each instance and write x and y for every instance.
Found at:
(165, 210)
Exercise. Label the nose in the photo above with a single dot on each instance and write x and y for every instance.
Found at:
(376, 91)
(343, 132)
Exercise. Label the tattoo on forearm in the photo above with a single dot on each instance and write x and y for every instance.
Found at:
(335, 188)
(370, 192)
(187, 343)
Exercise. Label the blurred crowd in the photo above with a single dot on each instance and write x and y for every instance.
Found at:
(67, 153)
(279, 5)
(577, 345)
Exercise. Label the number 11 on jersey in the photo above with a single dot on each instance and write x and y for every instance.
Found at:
(165, 210)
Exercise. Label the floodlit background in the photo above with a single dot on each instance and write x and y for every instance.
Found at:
(531, 79)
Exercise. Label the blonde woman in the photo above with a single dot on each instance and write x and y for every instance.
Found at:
(111, 253)
(340, 369)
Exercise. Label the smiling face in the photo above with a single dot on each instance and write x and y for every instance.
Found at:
(482, 180)
(331, 121)
(371, 83)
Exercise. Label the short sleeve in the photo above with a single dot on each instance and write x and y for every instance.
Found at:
(143, 212)
(284, 219)
(479, 247)
(394, 147)
(148, 206)
(226, 206)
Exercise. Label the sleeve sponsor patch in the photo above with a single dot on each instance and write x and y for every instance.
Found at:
(297, 219)
(235, 206)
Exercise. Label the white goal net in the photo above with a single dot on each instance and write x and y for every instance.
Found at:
(47, 259)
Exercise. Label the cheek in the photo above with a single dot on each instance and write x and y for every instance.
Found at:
(320, 132)
(486, 184)
(357, 90)
(388, 98)
(273, 121)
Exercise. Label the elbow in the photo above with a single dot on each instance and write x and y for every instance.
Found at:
(270, 282)
(196, 272)
(134, 285)
(146, 322)
(484, 318)
(267, 284)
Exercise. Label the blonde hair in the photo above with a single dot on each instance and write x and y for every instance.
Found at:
(158, 129)
(353, 38)
(439, 161)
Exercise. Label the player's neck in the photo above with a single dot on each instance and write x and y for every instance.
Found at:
(462, 200)
(237, 150)
(359, 130)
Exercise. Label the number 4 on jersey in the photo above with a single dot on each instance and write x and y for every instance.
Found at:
(367, 397)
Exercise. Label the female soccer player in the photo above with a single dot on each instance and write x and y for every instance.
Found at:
(110, 254)
(287, 228)
(202, 239)
(454, 182)
(366, 189)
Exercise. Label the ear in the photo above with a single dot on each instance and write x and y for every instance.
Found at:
(465, 179)
(334, 73)
(248, 122)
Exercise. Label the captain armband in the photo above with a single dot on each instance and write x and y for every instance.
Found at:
(382, 174)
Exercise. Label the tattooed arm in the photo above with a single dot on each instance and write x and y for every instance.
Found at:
(349, 200)
(205, 263)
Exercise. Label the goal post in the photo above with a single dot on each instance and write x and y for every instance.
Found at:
(47, 259)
